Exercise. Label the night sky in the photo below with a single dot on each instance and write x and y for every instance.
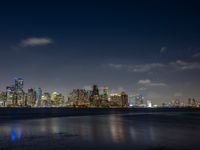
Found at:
(149, 47)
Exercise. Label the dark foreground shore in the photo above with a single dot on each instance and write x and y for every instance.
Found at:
(15, 113)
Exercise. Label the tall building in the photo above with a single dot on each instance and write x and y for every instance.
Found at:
(119, 99)
(2, 99)
(9, 95)
(57, 99)
(19, 95)
(149, 104)
(139, 100)
(19, 84)
(104, 94)
(78, 98)
(14, 99)
(31, 97)
(38, 96)
(95, 100)
(124, 99)
(46, 100)
(104, 97)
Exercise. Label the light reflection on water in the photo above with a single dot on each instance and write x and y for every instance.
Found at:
(112, 130)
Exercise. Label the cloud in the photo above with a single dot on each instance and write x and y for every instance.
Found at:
(178, 65)
(35, 41)
(116, 66)
(137, 68)
(183, 65)
(196, 55)
(148, 82)
(163, 49)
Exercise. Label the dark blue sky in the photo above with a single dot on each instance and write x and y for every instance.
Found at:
(150, 47)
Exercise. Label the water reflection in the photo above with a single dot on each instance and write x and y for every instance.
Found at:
(114, 130)
(16, 134)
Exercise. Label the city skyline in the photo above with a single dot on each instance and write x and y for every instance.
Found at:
(92, 96)
(138, 47)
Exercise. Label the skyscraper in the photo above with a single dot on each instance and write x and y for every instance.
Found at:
(19, 83)
(9, 95)
(31, 99)
(95, 98)
(38, 96)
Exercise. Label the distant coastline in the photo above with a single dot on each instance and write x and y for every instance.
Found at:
(17, 113)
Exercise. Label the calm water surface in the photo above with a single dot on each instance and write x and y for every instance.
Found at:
(131, 131)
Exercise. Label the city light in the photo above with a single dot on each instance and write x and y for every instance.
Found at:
(94, 97)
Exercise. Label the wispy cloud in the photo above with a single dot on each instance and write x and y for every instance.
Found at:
(163, 49)
(148, 82)
(178, 65)
(35, 41)
(183, 65)
(144, 82)
(137, 68)
(197, 55)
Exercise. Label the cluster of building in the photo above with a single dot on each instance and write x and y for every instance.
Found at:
(97, 98)
(191, 102)
(15, 96)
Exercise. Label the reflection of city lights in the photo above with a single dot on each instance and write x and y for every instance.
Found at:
(117, 131)
(19, 135)
(15, 135)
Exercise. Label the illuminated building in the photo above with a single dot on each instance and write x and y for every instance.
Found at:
(131, 100)
(104, 93)
(119, 99)
(2, 99)
(124, 99)
(31, 97)
(194, 103)
(60, 100)
(149, 104)
(54, 98)
(46, 99)
(14, 99)
(79, 98)
(104, 97)
(57, 99)
(38, 96)
(20, 95)
(176, 103)
(139, 100)
(9, 95)
(15, 94)
(19, 83)
(94, 97)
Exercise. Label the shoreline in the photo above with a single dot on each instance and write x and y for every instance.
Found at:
(17, 113)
